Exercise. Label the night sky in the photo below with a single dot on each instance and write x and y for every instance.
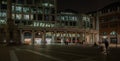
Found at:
(83, 6)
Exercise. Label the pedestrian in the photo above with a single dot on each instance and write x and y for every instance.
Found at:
(106, 46)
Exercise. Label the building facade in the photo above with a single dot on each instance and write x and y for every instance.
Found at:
(109, 22)
(36, 22)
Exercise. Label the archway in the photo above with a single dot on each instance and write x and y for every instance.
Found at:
(27, 38)
(113, 37)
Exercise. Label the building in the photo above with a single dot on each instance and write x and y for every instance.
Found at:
(109, 22)
(36, 22)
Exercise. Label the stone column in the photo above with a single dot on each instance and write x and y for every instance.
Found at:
(22, 37)
(33, 37)
(44, 37)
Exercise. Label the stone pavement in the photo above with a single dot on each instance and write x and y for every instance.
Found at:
(57, 53)
(4, 53)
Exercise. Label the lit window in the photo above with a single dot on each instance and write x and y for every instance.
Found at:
(18, 9)
(26, 9)
(13, 7)
(3, 14)
(18, 16)
(31, 17)
(113, 33)
(13, 16)
(47, 25)
(2, 21)
(4, 2)
(26, 17)
(47, 5)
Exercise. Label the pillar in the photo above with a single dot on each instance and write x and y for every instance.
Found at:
(22, 36)
(33, 37)
(43, 37)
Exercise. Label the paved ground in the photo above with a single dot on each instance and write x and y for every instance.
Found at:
(57, 53)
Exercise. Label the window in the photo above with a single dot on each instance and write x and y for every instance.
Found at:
(26, 10)
(3, 14)
(113, 25)
(26, 16)
(113, 33)
(4, 2)
(39, 17)
(31, 16)
(3, 6)
(40, 10)
(13, 16)
(18, 16)
(47, 11)
(46, 17)
(18, 9)
(33, 9)
(29, 1)
(13, 8)
(20, 1)
(2, 21)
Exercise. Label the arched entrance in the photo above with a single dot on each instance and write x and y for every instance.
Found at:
(113, 37)
(48, 38)
(38, 38)
(27, 38)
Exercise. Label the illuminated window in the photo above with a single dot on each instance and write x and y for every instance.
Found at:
(26, 9)
(31, 16)
(113, 33)
(3, 14)
(47, 25)
(13, 16)
(26, 17)
(13, 8)
(47, 5)
(4, 2)
(18, 9)
(18, 16)
(2, 21)
(42, 24)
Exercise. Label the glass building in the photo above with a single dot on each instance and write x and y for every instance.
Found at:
(36, 22)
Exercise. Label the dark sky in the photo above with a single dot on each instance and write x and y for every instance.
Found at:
(83, 6)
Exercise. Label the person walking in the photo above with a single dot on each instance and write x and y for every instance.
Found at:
(106, 46)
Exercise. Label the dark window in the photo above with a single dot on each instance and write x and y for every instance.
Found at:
(3, 6)
(39, 17)
(29, 1)
(53, 18)
(46, 17)
(34, 17)
(74, 23)
(70, 23)
(17, 22)
(13, 1)
(113, 25)
(21, 1)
